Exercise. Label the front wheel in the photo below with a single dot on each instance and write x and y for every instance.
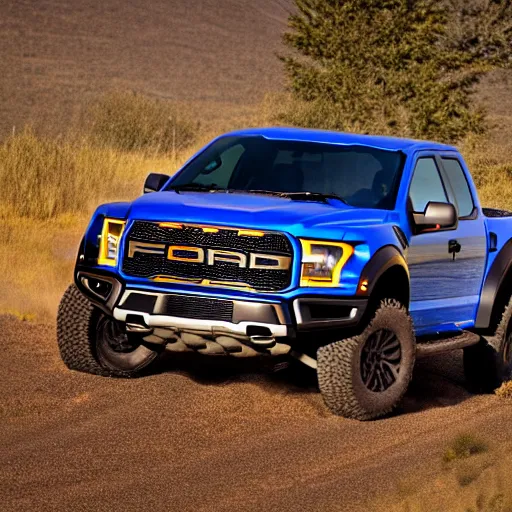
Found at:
(92, 342)
(365, 377)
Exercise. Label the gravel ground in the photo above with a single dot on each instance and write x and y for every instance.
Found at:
(213, 434)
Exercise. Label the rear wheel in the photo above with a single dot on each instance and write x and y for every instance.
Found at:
(92, 342)
(489, 363)
(365, 377)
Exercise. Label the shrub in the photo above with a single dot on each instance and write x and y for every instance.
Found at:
(408, 64)
(132, 122)
(464, 446)
(289, 110)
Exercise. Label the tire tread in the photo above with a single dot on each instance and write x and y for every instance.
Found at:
(335, 364)
(76, 318)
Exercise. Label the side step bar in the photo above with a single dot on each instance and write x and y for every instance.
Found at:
(305, 359)
(431, 348)
(425, 349)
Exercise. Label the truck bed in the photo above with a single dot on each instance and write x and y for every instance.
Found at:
(495, 213)
(499, 222)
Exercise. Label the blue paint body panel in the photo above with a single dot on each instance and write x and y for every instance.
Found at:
(445, 293)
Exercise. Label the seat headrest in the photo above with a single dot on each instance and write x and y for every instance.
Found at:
(287, 178)
(381, 186)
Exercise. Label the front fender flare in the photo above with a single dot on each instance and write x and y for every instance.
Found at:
(383, 260)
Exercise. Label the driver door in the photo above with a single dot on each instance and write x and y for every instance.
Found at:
(444, 268)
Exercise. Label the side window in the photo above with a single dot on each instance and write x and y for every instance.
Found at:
(426, 185)
(220, 170)
(460, 186)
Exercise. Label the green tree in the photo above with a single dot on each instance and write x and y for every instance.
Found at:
(395, 66)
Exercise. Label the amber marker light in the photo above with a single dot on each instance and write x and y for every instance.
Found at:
(210, 230)
(250, 232)
(170, 225)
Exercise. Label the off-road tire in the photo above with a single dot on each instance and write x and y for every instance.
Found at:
(77, 324)
(489, 363)
(340, 367)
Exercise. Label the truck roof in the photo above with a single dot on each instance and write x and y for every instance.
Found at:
(349, 139)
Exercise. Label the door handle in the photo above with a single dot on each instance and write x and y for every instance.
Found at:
(454, 247)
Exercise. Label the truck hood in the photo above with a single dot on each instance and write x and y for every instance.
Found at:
(252, 211)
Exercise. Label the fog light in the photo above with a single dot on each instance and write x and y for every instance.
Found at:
(98, 287)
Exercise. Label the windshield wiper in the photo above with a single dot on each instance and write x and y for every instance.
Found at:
(295, 196)
(263, 192)
(300, 196)
(196, 187)
(313, 196)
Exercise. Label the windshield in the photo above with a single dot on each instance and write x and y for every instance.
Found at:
(359, 175)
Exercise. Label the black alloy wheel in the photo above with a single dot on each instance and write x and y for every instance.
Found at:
(380, 360)
(110, 336)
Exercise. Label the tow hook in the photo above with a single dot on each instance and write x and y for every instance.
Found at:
(263, 341)
(135, 324)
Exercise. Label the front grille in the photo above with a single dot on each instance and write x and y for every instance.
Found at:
(147, 265)
(275, 243)
(197, 308)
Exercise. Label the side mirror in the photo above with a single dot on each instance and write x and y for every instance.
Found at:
(436, 217)
(154, 182)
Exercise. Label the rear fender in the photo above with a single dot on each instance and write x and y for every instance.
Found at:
(496, 290)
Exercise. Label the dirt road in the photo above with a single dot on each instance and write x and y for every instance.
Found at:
(209, 435)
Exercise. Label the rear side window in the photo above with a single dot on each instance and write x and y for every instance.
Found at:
(460, 186)
(426, 185)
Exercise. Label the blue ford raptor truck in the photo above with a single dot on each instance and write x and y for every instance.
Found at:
(353, 254)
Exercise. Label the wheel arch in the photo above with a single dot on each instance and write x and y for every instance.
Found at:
(387, 276)
(496, 291)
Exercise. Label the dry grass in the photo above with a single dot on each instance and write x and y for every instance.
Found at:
(479, 483)
(505, 390)
(49, 187)
(43, 178)
(36, 263)
(491, 166)
(286, 109)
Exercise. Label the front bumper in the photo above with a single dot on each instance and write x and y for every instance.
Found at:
(247, 319)
(250, 320)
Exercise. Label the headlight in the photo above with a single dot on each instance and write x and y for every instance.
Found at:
(109, 243)
(322, 262)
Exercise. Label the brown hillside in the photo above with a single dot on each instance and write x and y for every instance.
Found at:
(56, 54)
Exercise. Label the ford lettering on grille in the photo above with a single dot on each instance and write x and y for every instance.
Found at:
(210, 256)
